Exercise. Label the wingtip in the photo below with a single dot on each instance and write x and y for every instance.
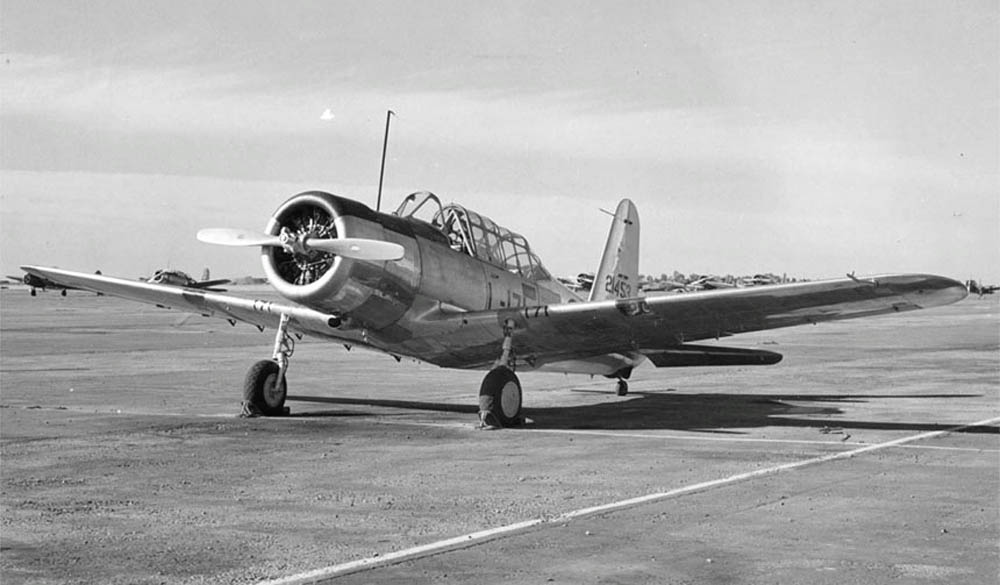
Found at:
(935, 291)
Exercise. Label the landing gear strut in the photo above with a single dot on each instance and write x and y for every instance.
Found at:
(264, 389)
(622, 375)
(500, 393)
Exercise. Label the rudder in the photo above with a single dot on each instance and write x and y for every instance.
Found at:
(618, 275)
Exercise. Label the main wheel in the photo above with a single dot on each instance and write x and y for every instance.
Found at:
(622, 388)
(500, 398)
(263, 392)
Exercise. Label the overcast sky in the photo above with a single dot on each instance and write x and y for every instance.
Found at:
(813, 138)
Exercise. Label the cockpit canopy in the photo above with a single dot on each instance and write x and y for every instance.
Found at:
(476, 235)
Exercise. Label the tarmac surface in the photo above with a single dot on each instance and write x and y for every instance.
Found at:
(871, 454)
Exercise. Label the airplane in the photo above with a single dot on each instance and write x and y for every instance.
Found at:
(759, 280)
(709, 282)
(665, 286)
(696, 284)
(981, 289)
(40, 282)
(569, 283)
(581, 284)
(178, 278)
(445, 285)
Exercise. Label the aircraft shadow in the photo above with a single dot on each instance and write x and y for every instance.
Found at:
(714, 413)
(403, 404)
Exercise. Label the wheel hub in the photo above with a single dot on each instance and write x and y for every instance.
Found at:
(274, 390)
(510, 399)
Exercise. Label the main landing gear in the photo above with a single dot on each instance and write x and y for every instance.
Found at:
(500, 392)
(264, 389)
(622, 375)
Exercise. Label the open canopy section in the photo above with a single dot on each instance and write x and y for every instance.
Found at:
(476, 235)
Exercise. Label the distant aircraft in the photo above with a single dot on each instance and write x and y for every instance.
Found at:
(673, 286)
(980, 289)
(446, 285)
(759, 280)
(178, 278)
(569, 283)
(710, 282)
(666, 286)
(40, 282)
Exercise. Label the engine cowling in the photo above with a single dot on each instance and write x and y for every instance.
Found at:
(369, 294)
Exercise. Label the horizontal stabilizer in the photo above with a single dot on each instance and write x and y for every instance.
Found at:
(711, 355)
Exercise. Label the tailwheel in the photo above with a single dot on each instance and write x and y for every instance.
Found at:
(500, 399)
(622, 387)
(264, 390)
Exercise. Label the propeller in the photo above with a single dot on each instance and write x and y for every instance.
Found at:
(231, 237)
(356, 248)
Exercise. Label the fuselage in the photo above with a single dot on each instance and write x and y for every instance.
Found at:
(455, 262)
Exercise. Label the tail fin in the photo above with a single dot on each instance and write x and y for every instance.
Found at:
(618, 275)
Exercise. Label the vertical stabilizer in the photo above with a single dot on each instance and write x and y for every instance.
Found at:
(618, 275)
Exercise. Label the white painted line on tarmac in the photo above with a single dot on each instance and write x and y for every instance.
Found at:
(475, 538)
(940, 448)
(741, 439)
(769, 471)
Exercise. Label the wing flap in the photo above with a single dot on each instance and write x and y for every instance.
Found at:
(709, 355)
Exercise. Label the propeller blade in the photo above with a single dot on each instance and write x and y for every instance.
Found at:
(231, 237)
(357, 248)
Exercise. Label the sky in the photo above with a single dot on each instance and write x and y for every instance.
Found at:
(808, 138)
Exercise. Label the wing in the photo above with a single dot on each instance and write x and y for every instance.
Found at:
(605, 333)
(590, 337)
(260, 313)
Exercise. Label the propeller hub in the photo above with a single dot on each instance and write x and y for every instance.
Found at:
(294, 243)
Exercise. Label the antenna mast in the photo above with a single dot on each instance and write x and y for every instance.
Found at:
(381, 173)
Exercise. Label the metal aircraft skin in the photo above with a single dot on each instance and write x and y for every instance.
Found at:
(445, 285)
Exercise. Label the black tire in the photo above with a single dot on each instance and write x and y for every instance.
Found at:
(262, 391)
(622, 388)
(500, 398)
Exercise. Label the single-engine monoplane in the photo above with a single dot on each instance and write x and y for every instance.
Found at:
(446, 285)
(179, 278)
(36, 283)
(980, 289)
